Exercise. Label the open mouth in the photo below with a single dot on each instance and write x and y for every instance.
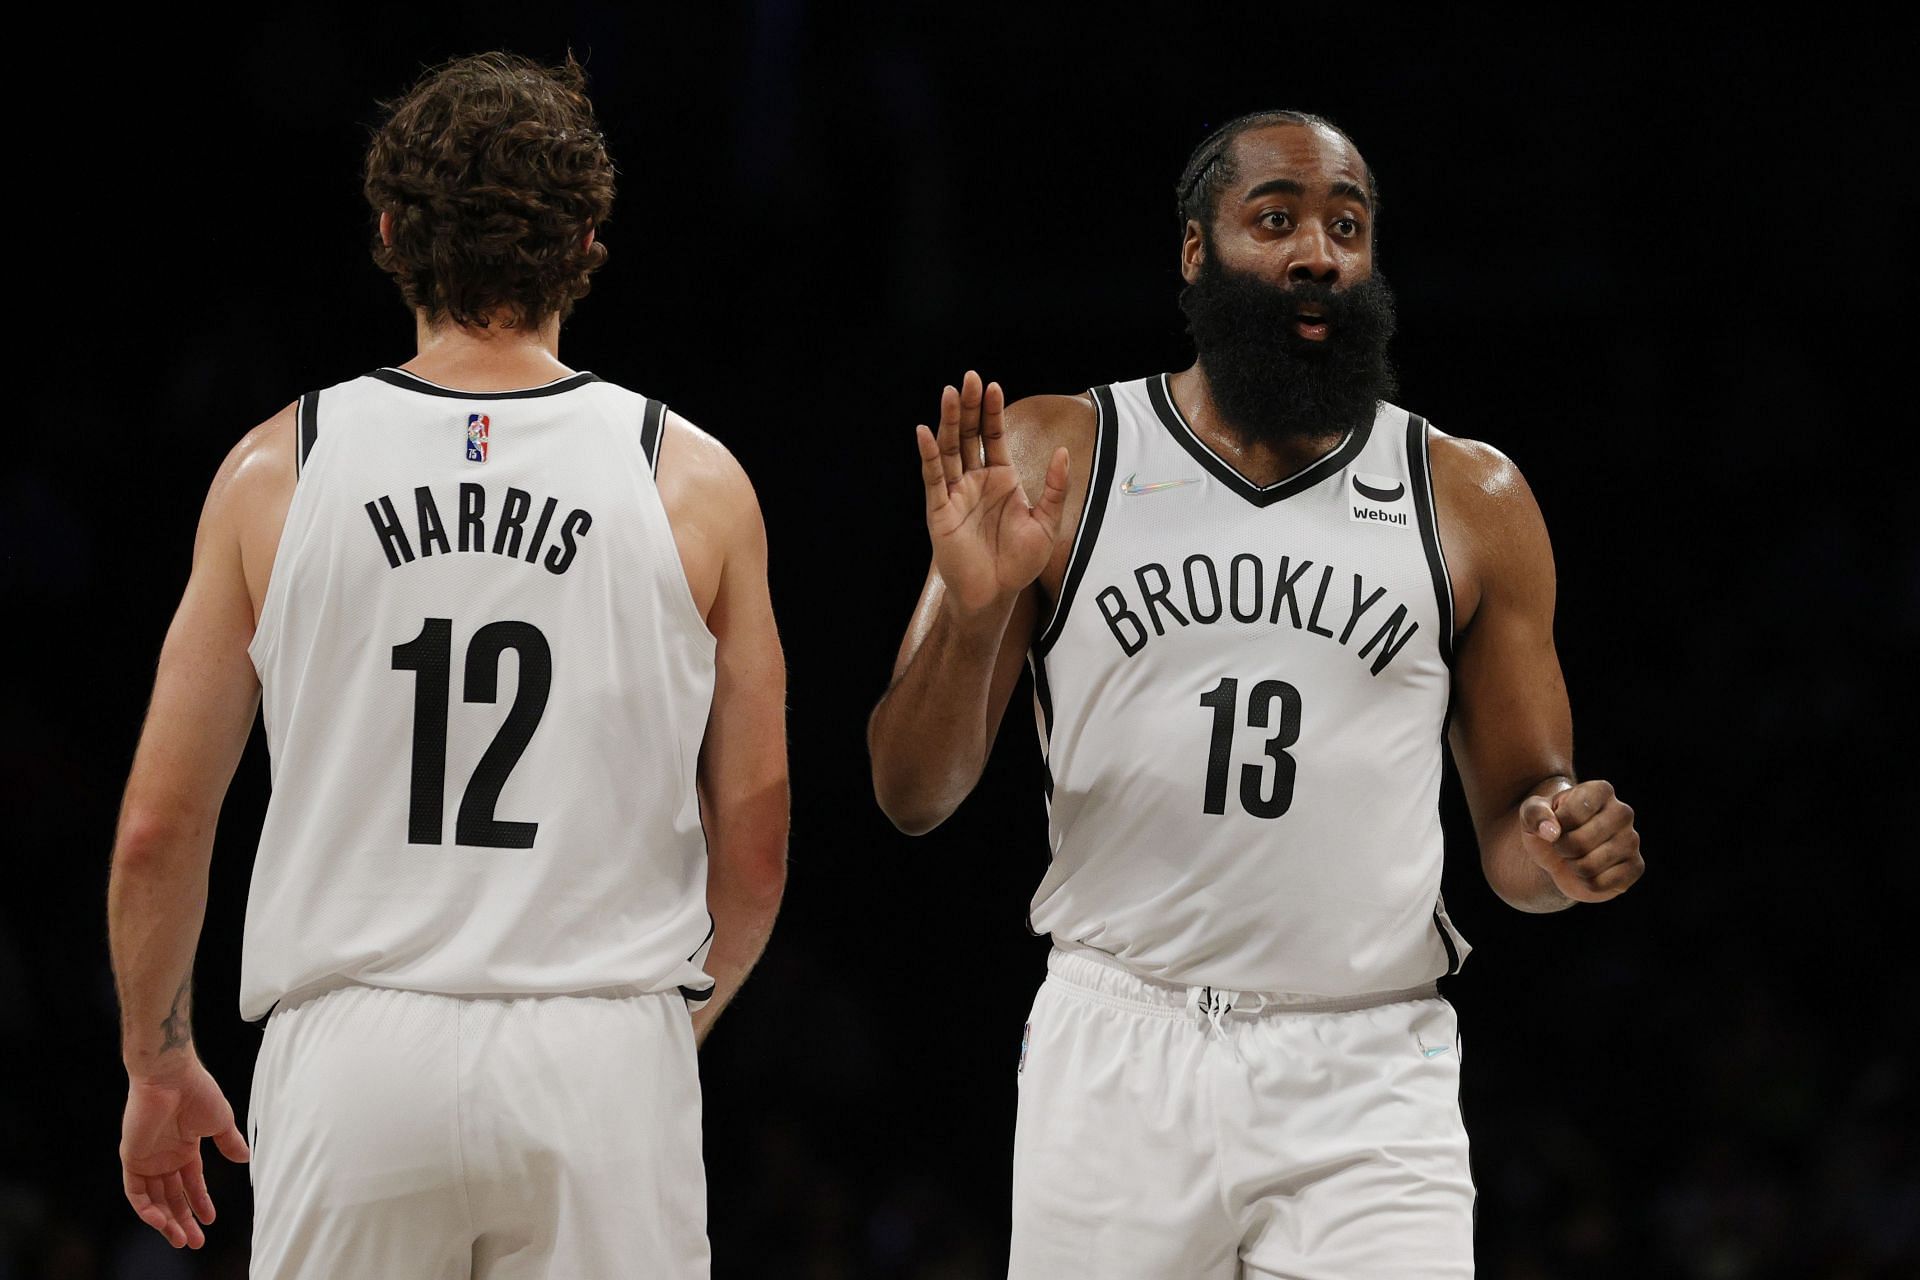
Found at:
(1311, 324)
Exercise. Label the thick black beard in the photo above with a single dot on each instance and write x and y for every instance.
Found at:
(1271, 384)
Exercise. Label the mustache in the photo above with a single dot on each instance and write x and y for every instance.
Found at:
(1260, 313)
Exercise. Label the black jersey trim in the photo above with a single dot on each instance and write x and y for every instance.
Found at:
(1043, 694)
(309, 431)
(1417, 440)
(1106, 440)
(408, 381)
(651, 425)
(1161, 394)
(701, 994)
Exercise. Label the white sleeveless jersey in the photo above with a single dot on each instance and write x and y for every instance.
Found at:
(485, 684)
(1242, 696)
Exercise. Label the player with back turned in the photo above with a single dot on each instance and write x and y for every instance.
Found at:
(509, 627)
(1258, 601)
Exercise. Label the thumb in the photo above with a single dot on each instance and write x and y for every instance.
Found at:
(1053, 497)
(1537, 820)
(232, 1145)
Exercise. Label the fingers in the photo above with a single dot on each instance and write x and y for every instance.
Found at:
(972, 398)
(182, 1211)
(193, 1179)
(1595, 830)
(950, 435)
(1053, 496)
(1606, 873)
(1582, 802)
(149, 1199)
(933, 473)
(1537, 818)
(993, 434)
(148, 1212)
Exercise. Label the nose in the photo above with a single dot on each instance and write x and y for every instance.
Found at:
(1313, 257)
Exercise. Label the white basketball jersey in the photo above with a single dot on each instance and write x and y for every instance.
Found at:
(485, 684)
(1242, 698)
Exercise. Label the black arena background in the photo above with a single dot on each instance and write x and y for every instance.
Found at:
(1665, 269)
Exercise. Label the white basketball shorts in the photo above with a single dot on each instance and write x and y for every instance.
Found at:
(1175, 1133)
(435, 1137)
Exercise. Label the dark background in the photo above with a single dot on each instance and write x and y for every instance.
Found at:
(1666, 270)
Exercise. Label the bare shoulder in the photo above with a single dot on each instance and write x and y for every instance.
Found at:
(263, 459)
(255, 481)
(1479, 491)
(1037, 425)
(1476, 474)
(1491, 529)
(697, 472)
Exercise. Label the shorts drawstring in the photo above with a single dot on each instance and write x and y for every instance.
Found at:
(1213, 1004)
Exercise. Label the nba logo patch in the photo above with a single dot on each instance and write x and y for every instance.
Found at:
(1026, 1034)
(477, 424)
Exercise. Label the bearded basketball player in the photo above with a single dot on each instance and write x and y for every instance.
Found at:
(509, 626)
(1258, 600)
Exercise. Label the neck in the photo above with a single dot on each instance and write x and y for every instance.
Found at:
(496, 358)
(1262, 462)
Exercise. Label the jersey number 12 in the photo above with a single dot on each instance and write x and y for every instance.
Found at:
(430, 656)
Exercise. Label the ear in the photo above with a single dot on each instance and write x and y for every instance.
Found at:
(386, 228)
(589, 240)
(1193, 251)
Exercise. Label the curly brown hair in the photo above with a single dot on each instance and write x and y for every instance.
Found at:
(494, 171)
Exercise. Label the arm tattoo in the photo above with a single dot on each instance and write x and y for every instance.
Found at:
(177, 1026)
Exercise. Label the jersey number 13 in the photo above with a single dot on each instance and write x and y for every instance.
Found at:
(1224, 700)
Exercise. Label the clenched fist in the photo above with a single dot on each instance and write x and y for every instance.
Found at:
(1584, 839)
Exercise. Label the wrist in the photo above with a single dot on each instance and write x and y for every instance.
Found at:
(986, 623)
(154, 1065)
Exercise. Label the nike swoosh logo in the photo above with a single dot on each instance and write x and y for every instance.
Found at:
(1436, 1051)
(1127, 486)
(1378, 495)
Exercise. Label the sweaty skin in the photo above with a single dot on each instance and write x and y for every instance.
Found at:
(206, 694)
(1298, 210)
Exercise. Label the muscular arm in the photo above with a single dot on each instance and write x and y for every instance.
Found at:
(957, 667)
(742, 773)
(1512, 732)
(204, 697)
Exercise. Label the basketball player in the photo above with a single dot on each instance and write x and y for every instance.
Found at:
(1248, 593)
(524, 700)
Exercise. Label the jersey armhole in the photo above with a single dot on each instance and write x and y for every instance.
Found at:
(653, 424)
(1419, 439)
(266, 628)
(1099, 486)
(308, 434)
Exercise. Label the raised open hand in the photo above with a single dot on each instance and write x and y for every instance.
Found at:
(988, 541)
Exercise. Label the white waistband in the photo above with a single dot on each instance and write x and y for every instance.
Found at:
(1097, 974)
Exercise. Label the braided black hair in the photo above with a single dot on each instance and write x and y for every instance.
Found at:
(1210, 169)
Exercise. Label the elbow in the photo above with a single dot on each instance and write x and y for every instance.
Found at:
(910, 813)
(151, 837)
(898, 789)
(755, 880)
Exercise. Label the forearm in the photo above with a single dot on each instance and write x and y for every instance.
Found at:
(1517, 878)
(156, 903)
(929, 735)
(743, 910)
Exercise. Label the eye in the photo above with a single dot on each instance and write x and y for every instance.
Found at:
(1274, 219)
(1346, 226)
